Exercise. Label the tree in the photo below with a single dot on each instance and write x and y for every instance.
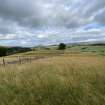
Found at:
(62, 46)
(3, 51)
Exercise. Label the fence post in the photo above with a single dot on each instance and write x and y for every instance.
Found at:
(4, 62)
(19, 60)
(30, 59)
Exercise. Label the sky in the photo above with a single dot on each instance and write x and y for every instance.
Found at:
(46, 22)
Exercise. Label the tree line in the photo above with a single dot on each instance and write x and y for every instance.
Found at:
(4, 51)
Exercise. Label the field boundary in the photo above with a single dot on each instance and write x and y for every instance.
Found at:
(19, 60)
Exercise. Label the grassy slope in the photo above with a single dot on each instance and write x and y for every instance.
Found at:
(32, 54)
(75, 79)
(100, 50)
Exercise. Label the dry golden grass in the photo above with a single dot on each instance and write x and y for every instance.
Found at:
(64, 80)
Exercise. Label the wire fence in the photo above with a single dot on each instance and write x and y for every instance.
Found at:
(21, 59)
(18, 60)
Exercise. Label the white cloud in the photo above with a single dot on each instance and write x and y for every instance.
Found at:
(51, 21)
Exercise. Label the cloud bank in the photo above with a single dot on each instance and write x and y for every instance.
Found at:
(31, 22)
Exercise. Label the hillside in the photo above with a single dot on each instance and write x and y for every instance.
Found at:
(69, 79)
(47, 76)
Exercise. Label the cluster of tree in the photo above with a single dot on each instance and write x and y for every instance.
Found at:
(4, 51)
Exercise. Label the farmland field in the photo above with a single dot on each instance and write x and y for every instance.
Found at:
(70, 77)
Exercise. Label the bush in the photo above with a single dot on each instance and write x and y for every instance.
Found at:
(62, 46)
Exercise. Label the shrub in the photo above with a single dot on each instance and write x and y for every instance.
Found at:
(62, 46)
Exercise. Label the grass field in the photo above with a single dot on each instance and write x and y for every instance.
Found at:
(97, 49)
(62, 79)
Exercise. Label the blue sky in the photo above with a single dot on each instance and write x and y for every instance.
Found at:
(45, 22)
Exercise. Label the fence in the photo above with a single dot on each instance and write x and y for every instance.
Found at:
(22, 59)
(17, 60)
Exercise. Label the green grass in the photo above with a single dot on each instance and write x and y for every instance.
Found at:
(52, 51)
(75, 79)
(46, 53)
(100, 50)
